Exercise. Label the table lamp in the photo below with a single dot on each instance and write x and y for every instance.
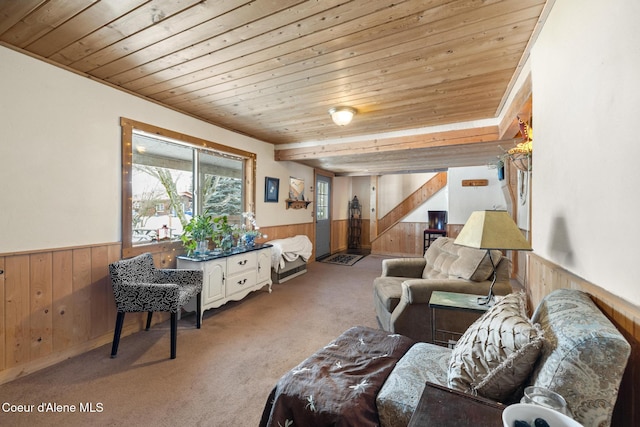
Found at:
(492, 230)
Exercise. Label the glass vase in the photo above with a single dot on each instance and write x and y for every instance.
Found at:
(202, 247)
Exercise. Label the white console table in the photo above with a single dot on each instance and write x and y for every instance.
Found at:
(229, 276)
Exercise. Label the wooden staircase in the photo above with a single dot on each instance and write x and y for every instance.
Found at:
(413, 201)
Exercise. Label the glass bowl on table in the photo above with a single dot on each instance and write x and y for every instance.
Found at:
(544, 397)
(532, 415)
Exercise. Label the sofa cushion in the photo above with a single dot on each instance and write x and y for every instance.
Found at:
(583, 357)
(401, 392)
(474, 264)
(496, 354)
(436, 248)
(445, 259)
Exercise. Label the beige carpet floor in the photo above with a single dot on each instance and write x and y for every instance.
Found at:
(223, 372)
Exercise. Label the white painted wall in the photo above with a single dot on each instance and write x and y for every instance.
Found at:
(361, 188)
(586, 84)
(393, 189)
(60, 154)
(464, 200)
(439, 202)
(344, 188)
(341, 195)
(457, 200)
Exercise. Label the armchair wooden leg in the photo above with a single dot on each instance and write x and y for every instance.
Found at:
(149, 315)
(198, 309)
(174, 334)
(116, 334)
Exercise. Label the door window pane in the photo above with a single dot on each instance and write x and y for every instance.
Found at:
(322, 204)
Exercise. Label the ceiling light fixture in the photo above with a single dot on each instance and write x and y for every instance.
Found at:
(342, 116)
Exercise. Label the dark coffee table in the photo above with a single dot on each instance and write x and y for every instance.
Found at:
(441, 406)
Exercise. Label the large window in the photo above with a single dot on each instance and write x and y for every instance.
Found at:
(169, 177)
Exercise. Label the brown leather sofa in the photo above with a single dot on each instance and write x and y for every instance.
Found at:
(402, 292)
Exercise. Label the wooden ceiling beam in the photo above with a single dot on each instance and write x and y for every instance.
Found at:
(520, 106)
(432, 140)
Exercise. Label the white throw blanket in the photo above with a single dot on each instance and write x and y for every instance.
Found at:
(290, 249)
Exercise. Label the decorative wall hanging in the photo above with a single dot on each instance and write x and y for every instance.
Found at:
(296, 189)
(475, 182)
(520, 155)
(296, 198)
(271, 189)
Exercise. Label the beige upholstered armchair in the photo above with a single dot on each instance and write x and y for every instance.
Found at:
(401, 294)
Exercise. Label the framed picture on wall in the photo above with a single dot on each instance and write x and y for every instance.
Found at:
(296, 188)
(271, 189)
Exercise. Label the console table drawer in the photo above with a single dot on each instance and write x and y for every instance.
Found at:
(241, 281)
(241, 262)
(229, 277)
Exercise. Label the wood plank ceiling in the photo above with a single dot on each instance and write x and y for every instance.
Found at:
(271, 69)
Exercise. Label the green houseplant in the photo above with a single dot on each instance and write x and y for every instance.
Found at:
(223, 233)
(196, 232)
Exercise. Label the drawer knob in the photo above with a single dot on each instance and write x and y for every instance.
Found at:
(243, 262)
(242, 282)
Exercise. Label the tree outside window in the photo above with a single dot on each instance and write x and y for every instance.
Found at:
(161, 182)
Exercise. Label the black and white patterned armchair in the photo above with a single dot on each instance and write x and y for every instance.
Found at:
(138, 287)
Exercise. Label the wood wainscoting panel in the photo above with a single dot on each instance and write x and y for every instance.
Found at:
(56, 304)
(81, 295)
(41, 298)
(402, 239)
(62, 299)
(545, 276)
(339, 235)
(17, 310)
(290, 230)
(365, 239)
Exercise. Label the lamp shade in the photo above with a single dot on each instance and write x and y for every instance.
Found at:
(492, 230)
(342, 116)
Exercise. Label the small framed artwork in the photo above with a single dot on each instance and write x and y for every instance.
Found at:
(296, 188)
(271, 189)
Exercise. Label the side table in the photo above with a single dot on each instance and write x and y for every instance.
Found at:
(466, 304)
(442, 406)
(431, 234)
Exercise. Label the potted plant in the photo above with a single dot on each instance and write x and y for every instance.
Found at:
(196, 233)
(223, 232)
(252, 231)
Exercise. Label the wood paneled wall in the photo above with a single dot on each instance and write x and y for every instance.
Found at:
(58, 303)
(283, 231)
(406, 239)
(402, 239)
(55, 304)
(545, 277)
(340, 235)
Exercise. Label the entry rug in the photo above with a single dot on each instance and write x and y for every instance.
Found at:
(343, 259)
